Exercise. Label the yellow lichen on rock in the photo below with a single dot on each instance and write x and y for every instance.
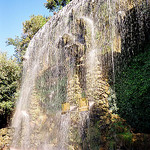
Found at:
(83, 104)
(65, 107)
(74, 91)
(117, 44)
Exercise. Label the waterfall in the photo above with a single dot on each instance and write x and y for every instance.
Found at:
(65, 92)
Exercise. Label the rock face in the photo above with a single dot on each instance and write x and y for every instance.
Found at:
(5, 138)
(65, 90)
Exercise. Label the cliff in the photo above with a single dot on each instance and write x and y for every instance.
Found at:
(67, 95)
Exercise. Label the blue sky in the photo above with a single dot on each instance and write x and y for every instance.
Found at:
(12, 14)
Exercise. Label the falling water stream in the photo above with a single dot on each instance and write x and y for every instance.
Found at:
(65, 76)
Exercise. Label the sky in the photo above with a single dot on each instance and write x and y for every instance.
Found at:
(12, 14)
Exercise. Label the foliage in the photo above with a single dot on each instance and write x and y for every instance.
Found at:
(120, 134)
(52, 90)
(132, 90)
(53, 5)
(30, 28)
(9, 76)
(93, 136)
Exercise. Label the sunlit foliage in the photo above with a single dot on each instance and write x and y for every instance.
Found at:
(132, 89)
(53, 5)
(9, 76)
(30, 28)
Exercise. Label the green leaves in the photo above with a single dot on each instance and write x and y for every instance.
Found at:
(53, 5)
(132, 90)
(30, 28)
(9, 77)
(6, 108)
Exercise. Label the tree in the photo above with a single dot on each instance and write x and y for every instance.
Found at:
(30, 28)
(9, 76)
(53, 5)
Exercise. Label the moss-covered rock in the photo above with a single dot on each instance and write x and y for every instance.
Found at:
(121, 136)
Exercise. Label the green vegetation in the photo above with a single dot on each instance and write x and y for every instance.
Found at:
(30, 28)
(93, 136)
(9, 76)
(119, 135)
(53, 5)
(10, 69)
(52, 90)
(132, 90)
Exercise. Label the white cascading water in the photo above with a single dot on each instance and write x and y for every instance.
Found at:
(73, 43)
